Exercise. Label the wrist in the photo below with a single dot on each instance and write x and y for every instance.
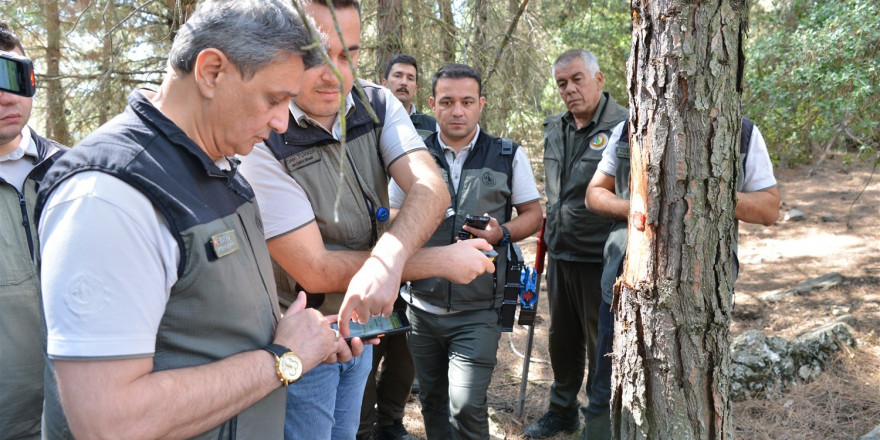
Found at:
(505, 236)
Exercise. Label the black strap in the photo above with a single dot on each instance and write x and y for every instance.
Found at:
(507, 150)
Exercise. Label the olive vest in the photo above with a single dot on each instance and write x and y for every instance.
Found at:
(484, 186)
(22, 326)
(313, 158)
(573, 233)
(224, 300)
(424, 124)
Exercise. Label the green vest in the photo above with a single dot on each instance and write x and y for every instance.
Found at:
(484, 186)
(22, 326)
(313, 158)
(573, 233)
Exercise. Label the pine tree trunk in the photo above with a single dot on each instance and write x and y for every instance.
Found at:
(390, 32)
(56, 116)
(671, 351)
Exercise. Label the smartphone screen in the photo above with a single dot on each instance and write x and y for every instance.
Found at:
(16, 75)
(378, 326)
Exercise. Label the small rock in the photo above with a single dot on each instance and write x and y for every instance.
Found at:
(873, 435)
(794, 215)
(838, 311)
(823, 282)
(495, 431)
(847, 319)
(827, 218)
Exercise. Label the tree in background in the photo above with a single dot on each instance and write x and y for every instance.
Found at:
(673, 304)
(814, 77)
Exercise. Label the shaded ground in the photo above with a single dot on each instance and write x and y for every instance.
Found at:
(845, 402)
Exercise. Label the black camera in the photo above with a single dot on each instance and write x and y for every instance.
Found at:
(17, 75)
(474, 221)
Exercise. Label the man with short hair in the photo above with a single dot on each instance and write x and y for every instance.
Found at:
(327, 247)
(402, 78)
(608, 195)
(162, 315)
(24, 158)
(456, 327)
(573, 145)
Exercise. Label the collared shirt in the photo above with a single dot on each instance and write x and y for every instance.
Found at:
(303, 119)
(456, 160)
(575, 137)
(13, 170)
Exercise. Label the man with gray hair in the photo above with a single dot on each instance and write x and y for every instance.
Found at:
(161, 308)
(573, 145)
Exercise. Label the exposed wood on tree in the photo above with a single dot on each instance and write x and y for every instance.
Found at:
(673, 307)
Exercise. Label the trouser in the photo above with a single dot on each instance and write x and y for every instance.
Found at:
(454, 357)
(387, 387)
(326, 402)
(575, 292)
(600, 394)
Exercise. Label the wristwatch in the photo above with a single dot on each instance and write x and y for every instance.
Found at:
(288, 366)
(505, 236)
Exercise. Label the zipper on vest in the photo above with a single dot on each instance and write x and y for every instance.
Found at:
(374, 238)
(25, 222)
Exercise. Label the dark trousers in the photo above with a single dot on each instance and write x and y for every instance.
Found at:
(390, 382)
(600, 394)
(455, 356)
(575, 293)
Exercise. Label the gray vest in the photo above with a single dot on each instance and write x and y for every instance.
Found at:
(574, 233)
(484, 186)
(22, 327)
(313, 158)
(224, 300)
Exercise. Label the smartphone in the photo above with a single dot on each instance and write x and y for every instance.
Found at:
(474, 221)
(378, 327)
(17, 75)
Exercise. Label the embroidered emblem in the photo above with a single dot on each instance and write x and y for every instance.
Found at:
(224, 243)
(599, 141)
(488, 179)
(302, 159)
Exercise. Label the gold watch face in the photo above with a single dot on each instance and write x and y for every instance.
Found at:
(290, 367)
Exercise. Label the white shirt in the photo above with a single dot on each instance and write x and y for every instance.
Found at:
(108, 264)
(284, 205)
(13, 170)
(759, 167)
(523, 190)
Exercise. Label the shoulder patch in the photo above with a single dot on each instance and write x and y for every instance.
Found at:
(599, 141)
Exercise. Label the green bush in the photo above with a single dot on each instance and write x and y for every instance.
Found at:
(813, 77)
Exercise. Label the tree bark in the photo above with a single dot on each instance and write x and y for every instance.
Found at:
(450, 34)
(56, 116)
(673, 305)
(390, 32)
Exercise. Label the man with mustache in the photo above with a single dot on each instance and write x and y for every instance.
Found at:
(573, 145)
(402, 77)
(346, 254)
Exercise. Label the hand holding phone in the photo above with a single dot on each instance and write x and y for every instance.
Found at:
(474, 221)
(378, 326)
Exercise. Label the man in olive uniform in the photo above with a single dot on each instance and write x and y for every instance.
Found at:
(24, 158)
(573, 145)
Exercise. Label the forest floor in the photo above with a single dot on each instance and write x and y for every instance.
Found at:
(836, 235)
